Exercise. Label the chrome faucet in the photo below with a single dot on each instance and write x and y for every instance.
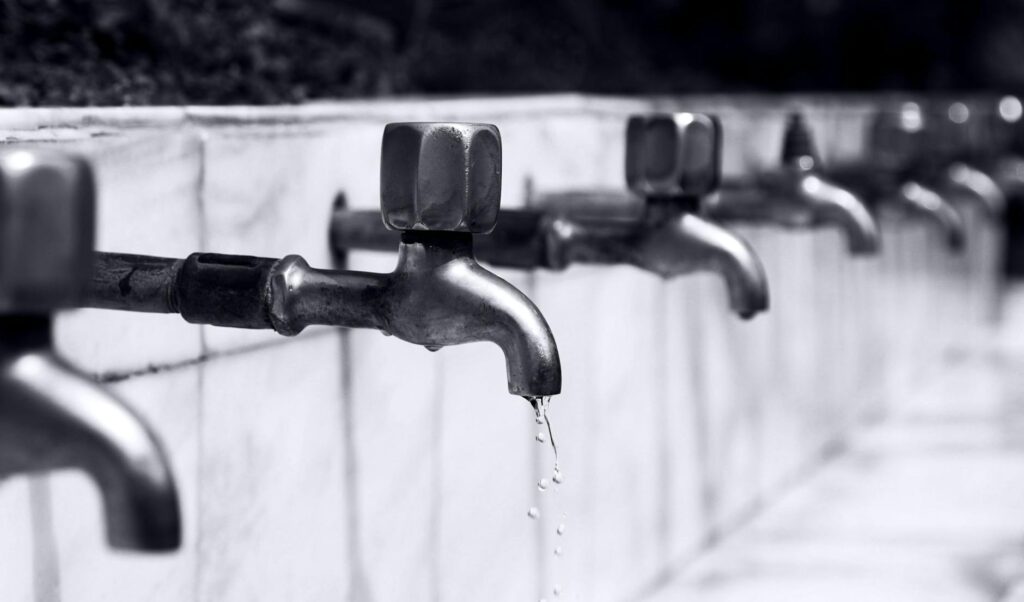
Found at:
(797, 195)
(958, 139)
(672, 161)
(51, 415)
(888, 178)
(440, 184)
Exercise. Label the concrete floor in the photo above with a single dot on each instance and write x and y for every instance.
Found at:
(928, 505)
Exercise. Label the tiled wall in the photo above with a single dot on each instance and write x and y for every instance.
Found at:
(352, 466)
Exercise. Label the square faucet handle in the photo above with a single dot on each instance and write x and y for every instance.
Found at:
(47, 213)
(673, 154)
(440, 177)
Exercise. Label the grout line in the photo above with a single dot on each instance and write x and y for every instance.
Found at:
(437, 490)
(116, 376)
(45, 550)
(204, 353)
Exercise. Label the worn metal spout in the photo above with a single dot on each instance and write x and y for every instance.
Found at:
(53, 417)
(797, 198)
(690, 244)
(830, 204)
(439, 295)
(975, 186)
(924, 201)
(796, 195)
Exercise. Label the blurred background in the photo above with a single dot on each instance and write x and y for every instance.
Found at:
(113, 52)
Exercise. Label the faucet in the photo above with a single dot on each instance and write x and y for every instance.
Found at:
(51, 415)
(672, 162)
(888, 177)
(796, 195)
(440, 185)
(961, 160)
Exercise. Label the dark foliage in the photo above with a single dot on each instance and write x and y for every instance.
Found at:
(86, 52)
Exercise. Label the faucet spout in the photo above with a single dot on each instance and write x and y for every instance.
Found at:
(832, 204)
(979, 186)
(54, 417)
(925, 201)
(439, 295)
(689, 243)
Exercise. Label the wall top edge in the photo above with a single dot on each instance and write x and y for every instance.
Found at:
(115, 119)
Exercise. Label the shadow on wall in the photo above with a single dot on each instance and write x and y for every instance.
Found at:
(112, 52)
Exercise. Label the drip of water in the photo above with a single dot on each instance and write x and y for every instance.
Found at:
(558, 550)
(557, 591)
(542, 485)
(540, 406)
(561, 529)
(557, 476)
(533, 512)
(541, 437)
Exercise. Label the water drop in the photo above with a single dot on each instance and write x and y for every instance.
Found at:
(557, 591)
(533, 512)
(558, 551)
(557, 477)
(541, 437)
(432, 347)
(542, 484)
(561, 529)
(385, 333)
(539, 419)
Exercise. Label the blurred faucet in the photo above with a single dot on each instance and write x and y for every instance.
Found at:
(672, 161)
(797, 195)
(1006, 163)
(888, 179)
(51, 415)
(440, 184)
(962, 156)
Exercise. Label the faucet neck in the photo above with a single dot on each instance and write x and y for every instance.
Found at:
(662, 208)
(427, 250)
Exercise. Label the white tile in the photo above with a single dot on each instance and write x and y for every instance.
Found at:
(394, 415)
(268, 191)
(26, 553)
(89, 569)
(147, 204)
(273, 506)
(489, 469)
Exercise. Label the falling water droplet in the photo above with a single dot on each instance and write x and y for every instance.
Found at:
(542, 485)
(533, 512)
(432, 347)
(541, 437)
(557, 476)
(557, 591)
(539, 419)
(558, 551)
(561, 529)
(385, 333)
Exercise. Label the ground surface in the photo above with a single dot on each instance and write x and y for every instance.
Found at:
(926, 506)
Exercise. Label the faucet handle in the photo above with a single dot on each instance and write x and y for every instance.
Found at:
(441, 177)
(47, 207)
(798, 143)
(673, 154)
